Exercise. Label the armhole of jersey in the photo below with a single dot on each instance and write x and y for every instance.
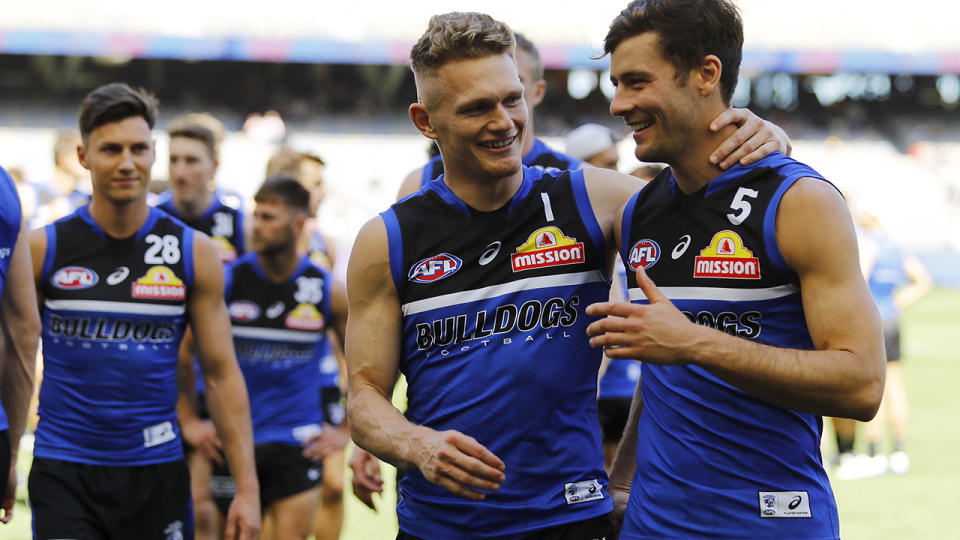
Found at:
(241, 235)
(770, 223)
(188, 269)
(626, 224)
(327, 302)
(51, 252)
(589, 218)
(394, 246)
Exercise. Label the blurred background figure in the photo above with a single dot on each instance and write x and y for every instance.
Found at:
(594, 144)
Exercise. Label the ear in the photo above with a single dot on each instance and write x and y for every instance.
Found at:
(537, 96)
(709, 75)
(420, 117)
(82, 156)
(299, 223)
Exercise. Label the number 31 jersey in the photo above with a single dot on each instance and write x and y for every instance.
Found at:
(113, 316)
(712, 460)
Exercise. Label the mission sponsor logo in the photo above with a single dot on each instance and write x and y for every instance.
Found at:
(73, 278)
(304, 317)
(435, 268)
(159, 283)
(532, 314)
(726, 258)
(644, 254)
(547, 247)
(224, 248)
(243, 311)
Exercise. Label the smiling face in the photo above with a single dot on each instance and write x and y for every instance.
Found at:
(475, 110)
(119, 156)
(662, 110)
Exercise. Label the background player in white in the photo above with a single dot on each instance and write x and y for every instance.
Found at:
(119, 153)
(670, 106)
(19, 336)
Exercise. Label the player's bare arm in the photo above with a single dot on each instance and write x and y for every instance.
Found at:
(625, 462)
(754, 139)
(449, 459)
(843, 377)
(224, 386)
(411, 184)
(199, 433)
(20, 325)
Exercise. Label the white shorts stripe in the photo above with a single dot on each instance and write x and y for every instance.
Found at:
(277, 334)
(494, 291)
(131, 308)
(719, 293)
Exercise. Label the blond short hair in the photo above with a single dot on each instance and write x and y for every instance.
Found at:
(457, 35)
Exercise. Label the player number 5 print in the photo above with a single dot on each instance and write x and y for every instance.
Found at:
(164, 250)
(743, 207)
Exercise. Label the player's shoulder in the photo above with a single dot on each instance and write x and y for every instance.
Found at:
(229, 199)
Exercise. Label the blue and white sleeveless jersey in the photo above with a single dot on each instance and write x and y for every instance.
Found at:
(888, 273)
(222, 221)
(712, 460)
(113, 315)
(540, 156)
(10, 222)
(622, 375)
(494, 346)
(319, 252)
(279, 333)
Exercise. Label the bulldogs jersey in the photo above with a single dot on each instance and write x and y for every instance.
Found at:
(540, 156)
(10, 222)
(222, 221)
(113, 315)
(712, 460)
(279, 332)
(887, 274)
(620, 379)
(494, 347)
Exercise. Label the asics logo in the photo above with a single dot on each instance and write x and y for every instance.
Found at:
(681, 247)
(118, 275)
(275, 310)
(490, 253)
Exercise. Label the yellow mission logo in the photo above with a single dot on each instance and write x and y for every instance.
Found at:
(726, 258)
(305, 317)
(226, 250)
(547, 247)
(159, 283)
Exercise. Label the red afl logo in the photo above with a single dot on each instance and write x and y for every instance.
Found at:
(434, 268)
(644, 254)
(243, 310)
(74, 278)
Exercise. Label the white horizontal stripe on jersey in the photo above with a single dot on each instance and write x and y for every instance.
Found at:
(493, 291)
(719, 293)
(128, 308)
(278, 334)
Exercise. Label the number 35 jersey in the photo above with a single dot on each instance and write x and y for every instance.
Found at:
(113, 316)
(712, 460)
(494, 346)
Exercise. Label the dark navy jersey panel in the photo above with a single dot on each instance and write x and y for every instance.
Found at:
(714, 255)
(222, 221)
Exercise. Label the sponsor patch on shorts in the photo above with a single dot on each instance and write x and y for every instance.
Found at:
(583, 491)
(784, 504)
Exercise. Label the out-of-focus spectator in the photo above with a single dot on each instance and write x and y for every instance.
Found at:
(594, 144)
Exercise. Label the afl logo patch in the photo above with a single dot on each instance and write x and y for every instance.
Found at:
(644, 254)
(74, 278)
(244, 311)
(434, 268)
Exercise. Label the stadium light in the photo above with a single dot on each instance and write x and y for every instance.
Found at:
(949, 88)
(580, 82)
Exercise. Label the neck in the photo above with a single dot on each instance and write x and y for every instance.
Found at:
(487, 194)
(693, 169)
(280, 265)
(119, 220)
(193, 209)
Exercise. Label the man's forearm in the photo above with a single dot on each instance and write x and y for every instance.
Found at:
(19, 359)
(379, 428)
(230, 411)
(625, 463)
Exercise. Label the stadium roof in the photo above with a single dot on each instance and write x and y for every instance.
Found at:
(816, 36)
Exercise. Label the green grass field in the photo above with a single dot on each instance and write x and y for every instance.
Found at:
(916, 505)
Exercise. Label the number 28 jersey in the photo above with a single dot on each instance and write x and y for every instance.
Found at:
(712, 460)
(113, 316)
